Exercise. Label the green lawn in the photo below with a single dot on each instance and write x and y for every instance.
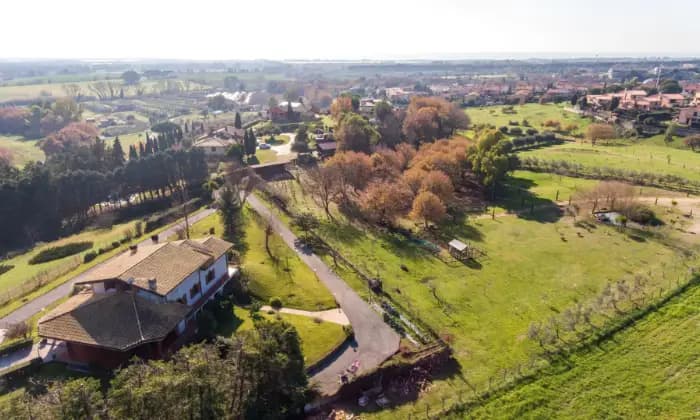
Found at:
(535, 114)
(648, 371)
(23, 151)
(287, 277)
(535, 267)
(264, 156)
(23, 271)
(645, 155)
(317, 339)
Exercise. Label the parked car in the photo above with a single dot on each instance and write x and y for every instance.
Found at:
(264, 146)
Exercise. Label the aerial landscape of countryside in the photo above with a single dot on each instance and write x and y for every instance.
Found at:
(483, 223)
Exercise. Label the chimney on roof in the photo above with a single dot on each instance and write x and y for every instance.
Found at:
(133, 248)
(152, 284)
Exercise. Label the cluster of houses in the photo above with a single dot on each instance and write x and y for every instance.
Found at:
(216, 144)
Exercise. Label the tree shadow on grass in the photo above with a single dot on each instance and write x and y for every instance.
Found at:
(516, 197)
(458, 227)
(228, 325)
(341, 231)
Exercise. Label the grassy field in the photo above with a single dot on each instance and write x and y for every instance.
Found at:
(645, 155)
(33, 91)
(535, 114)
(535, 266)
(287, 277)
(649, 371)
(23, 151)
(23, 271)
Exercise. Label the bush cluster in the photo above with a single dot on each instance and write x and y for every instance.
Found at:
(58, 252)
(4, 268)
(89, 256)
(545, 138)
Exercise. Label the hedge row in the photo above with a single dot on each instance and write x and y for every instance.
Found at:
(9, 348)
(58, 252)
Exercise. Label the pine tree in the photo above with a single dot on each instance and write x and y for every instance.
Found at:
(237, 123)
(117, 152)
(133, 155)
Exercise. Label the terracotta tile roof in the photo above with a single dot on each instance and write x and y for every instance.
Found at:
(118, 321)
(168, 263)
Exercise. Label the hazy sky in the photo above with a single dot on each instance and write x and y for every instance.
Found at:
(352, 29)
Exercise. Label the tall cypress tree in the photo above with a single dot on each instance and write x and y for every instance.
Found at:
(133, 155)
(117, 152)
(237, 123)
(149, 146)
(142, 150)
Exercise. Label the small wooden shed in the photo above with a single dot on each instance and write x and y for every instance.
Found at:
(458, 249)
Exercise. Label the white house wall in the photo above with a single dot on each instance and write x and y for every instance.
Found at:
(220, 269)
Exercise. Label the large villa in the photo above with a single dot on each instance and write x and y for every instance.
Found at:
(142, 302)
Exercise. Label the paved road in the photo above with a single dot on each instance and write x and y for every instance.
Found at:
(375, 340)
(35, 305)
(286, 148)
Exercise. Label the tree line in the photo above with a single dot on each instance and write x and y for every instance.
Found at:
(40, 119)
(573, 169)
(44, 200)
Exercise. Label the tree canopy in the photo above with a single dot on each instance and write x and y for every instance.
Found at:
(258, 374)
(430, 118)
(355, 133)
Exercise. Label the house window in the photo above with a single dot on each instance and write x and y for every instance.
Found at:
(210, 276)
(194, 291)
(213, 149)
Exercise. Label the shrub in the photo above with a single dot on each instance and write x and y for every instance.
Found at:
(531, 131)
(641, 214)
(4, 268)
(207, 324)
(115, 244)
(138, 229)
(347, 329)
(89, 256)
(503, 129)
(100, 251)
(276, 302)
(17, 330)
(516, 131)
(58, 252)
(212, 230)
